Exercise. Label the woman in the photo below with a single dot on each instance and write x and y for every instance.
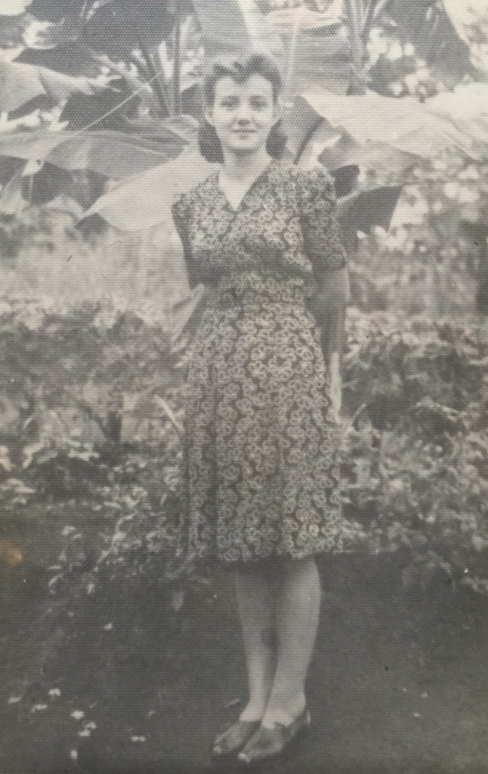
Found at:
(262, 479)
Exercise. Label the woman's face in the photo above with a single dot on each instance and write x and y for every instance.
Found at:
(243, 113)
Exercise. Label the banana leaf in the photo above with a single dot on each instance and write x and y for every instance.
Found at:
(385, 162)
(19, 83)
(67, 57)
(287, 20)
(428, 26)
(342, 129)
(345, 179)
(317, 48)
(301, 123)
(11, 199)
(467, 108)
(14, 7)
(128, 207)
(403, 124)
(55, 10)
(48, 36)
(312, 139)
(109, 153)
(144, 201)
(117, 27)
(233, 26)
(363, 210)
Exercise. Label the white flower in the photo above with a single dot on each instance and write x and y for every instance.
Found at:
(38, 707)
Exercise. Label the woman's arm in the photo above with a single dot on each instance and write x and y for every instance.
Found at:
(323, 244)
(328, 306)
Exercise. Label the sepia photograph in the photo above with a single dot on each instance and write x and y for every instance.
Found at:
(244, 386)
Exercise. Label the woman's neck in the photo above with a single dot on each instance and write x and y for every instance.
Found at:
(243, 167)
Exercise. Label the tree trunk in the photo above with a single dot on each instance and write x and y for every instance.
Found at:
(177, 64)
(355, 13)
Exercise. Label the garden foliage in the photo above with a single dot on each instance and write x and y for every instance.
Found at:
(91, 412)
(90, 392)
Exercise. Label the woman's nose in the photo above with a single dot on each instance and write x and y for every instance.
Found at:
(243, 112)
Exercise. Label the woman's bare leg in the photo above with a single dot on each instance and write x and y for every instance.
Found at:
(256, 612)
(297, 605)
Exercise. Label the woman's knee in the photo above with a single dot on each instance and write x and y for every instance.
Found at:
(282, 568)
(276, 570)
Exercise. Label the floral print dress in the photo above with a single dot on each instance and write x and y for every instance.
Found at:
(261, 469)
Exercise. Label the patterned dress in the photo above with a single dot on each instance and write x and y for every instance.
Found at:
(261, 468)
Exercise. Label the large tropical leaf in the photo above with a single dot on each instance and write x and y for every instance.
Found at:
(55, 10)
(144, 200)
(19, 83)
(13, 7)
(110, 153)
(427, 24)
(363, 210)
(128, 208)
(11, 199)
(403, 124)
(113, 154)
(67, 57)
(41, 36)
(8, 168)
(11, 35)
(233, 26)
(312, 139)
(317, 49)
(109, 109)
(117, 27)
(289, 20)
(114, 27)
(52, 184)
(462, 15)
(467, 107)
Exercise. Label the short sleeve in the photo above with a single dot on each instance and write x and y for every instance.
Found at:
(181, 212)
(318, 215)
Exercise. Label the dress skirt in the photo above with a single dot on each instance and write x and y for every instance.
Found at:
(261, 471)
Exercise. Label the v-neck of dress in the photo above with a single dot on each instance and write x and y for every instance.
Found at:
(256, 180)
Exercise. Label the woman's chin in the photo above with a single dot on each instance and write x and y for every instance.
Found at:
(244, 149)
(244, 144)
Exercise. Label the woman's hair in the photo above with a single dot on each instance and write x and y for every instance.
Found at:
(240, 69)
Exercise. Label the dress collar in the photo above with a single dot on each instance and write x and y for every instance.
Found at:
(263, 175)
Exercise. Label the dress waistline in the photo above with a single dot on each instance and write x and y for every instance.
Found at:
(258, 288)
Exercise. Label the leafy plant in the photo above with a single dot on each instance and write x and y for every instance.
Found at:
(415, 392)
(156, 56)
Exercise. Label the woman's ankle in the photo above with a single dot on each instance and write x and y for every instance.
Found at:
(253, 711)
(283, 710)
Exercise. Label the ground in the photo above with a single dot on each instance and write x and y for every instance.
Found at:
(117, 678)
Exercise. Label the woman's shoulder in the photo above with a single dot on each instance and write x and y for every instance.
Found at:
(317, 175)
(311, 190)
(183, 201)
(305, 180)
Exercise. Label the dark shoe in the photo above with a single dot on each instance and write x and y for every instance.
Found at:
(234, 739)
(267, 742)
